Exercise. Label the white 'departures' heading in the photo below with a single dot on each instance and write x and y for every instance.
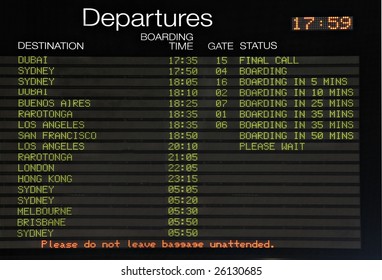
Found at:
(92, 17)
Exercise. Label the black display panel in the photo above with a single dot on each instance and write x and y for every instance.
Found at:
(190, 130)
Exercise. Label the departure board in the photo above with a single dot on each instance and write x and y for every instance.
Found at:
(160, 129)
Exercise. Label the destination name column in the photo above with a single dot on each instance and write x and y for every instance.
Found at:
(47, 136)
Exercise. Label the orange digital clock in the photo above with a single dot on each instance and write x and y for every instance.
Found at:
(337, 23)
